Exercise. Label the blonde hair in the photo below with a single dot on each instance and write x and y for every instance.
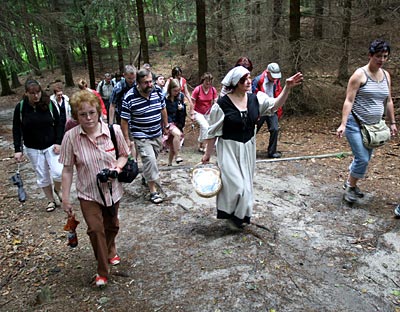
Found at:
(173, 83)
(79, 97)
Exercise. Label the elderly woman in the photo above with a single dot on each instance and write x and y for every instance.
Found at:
(37, 132)
(233, 120)
(90, 149)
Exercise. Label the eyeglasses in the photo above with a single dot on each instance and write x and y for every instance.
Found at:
(90, 114)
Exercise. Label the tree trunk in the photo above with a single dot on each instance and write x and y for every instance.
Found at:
(142, 31)
(63, 47)
(120, 53)
(318, 19)
(201, 36)
(89, 52)
(377, 8)
(343, 73)
(294, 33)
(5, 86)
(14, 80)
(28, 43)
(275, 28)
(217, 41)
(297, 95)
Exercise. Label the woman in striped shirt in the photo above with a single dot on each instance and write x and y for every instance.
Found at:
(367, 92)
(90, 149)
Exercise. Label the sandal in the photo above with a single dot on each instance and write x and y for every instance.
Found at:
(155, 198)
(179, 159)
(51, 206)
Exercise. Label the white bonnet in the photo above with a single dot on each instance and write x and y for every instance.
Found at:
(234, 75)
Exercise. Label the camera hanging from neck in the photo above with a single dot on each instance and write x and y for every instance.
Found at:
(110, 209)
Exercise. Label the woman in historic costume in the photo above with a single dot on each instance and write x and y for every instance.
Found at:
(233, 121)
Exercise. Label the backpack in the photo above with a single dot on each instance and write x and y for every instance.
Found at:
(21, 104)
(257, 85)
(120, 96)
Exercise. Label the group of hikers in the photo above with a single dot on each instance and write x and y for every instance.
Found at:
(147, 111)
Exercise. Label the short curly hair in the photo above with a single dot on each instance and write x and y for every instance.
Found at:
(84, 96)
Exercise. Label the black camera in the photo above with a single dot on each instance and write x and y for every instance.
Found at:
(104, 174)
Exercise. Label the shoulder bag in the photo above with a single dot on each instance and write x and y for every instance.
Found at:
(374, 135)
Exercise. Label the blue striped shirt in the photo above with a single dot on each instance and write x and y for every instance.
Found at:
(143, 115)
(370, 100)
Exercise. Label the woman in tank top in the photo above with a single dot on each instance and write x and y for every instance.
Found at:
(368, 91)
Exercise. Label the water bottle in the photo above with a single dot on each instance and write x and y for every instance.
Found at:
(72, 239)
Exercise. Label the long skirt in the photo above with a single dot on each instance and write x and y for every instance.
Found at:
(236, 161)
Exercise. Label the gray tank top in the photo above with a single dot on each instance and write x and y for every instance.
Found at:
(370, 100)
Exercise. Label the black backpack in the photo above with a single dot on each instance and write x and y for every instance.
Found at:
(120, 97)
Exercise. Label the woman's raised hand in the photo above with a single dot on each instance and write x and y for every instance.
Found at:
(294, 80)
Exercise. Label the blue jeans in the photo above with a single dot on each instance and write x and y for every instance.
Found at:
(362, 155)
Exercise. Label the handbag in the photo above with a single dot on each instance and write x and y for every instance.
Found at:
(375, 135)
(130, 170)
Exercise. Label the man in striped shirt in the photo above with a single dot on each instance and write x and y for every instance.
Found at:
(143, 110)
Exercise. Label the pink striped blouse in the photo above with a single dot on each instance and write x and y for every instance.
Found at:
(90, 157)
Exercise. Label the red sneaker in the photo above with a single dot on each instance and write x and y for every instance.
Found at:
(101, 281)
(115, 261)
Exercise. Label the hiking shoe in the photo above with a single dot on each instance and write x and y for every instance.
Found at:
(114, 261)
(350, 194)
(101, 281)
(357, 190)
(397, 211)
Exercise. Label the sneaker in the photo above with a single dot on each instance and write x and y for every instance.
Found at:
(350, 194)
(357, 190)
(397, 211)
(101, 281)
(114, 261)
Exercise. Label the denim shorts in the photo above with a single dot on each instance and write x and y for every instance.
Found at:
(362, 155)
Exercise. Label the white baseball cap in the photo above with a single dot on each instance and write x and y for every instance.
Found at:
(274, 70)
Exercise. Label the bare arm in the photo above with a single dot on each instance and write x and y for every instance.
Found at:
(111, 112)
(210, 147)
(66, 182)
(353, 85)
(187, 95)
(390, 107)
(125, 131)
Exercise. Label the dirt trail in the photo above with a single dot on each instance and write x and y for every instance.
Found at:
(307, 251)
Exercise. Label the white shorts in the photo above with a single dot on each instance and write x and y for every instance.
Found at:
(45, 162)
